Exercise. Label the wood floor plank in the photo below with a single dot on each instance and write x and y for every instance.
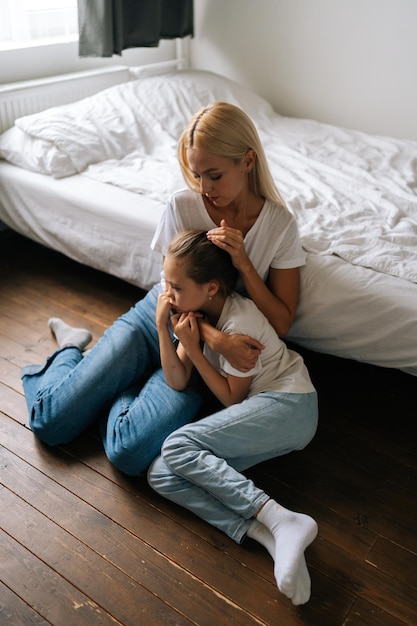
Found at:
(72, 524)
(115, 544)
(345, 445)
(10, 374)
(35, 323)
(44, 591)
(364, 613)
(137, 512)
(225, 577)
(18, 353)
(15, 612)
(60, 296)
(367, 582)
(341, 530)
(13, 404)
(366, 505)
(395, 561)
(108, 588)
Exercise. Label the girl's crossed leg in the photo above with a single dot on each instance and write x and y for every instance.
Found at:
(199, 468)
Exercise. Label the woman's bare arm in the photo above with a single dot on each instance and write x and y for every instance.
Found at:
(278, 298)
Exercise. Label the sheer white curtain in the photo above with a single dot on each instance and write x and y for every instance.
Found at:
(25, 21)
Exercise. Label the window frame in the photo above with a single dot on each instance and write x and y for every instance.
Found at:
(18, 27)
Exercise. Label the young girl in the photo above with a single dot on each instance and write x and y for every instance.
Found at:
(271, 410)
(231, 194)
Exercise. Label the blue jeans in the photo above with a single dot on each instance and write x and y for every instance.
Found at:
(200, 464)
(119, 381)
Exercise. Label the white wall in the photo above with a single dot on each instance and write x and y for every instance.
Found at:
(41, 61)
(347, 62)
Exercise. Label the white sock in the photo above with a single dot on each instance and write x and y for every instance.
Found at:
(292, 533)
(302, 590)
(302, 581)
(262, 535)
(69, 335)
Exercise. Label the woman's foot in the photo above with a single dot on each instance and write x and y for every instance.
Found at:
(67, 335)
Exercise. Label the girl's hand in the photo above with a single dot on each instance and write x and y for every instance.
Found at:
(231, 240)
(163, 309)
(185, 327)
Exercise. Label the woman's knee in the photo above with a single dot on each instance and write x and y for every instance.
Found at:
(129, 461)
(45, 434)
(49, 426)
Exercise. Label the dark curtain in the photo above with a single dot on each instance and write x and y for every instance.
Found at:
(107, 27)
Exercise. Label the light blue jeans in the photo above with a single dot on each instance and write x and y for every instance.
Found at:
(119, 381)
(200, 463)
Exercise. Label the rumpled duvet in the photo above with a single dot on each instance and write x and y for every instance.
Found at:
(354, 195)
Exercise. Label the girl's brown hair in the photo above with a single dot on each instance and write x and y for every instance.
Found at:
(204, 260)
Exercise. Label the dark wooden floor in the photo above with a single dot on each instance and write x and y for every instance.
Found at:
(83, 545)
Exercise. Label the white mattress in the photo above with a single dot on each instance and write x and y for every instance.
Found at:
(357, 313)
(99, 225)
(345, 310)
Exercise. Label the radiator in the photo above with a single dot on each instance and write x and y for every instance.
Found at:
(26, 97)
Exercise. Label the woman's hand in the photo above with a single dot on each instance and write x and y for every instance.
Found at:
(241, 351)
(278, 298)
(231, 240)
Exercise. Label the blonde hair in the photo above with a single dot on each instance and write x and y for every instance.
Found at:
(225, 130)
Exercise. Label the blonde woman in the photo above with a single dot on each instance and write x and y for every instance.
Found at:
(120, 381)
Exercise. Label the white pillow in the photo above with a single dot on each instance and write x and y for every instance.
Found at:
(32, 153)
(172, 99)
(142, 114)
(106, 125)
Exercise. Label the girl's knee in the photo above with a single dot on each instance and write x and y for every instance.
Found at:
(156, 472)
(309, 430)
(174, 446)
(179, 450)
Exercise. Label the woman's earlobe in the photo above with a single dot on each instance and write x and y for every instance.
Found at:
(250, 158)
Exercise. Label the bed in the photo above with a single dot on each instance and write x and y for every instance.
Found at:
(90, 176)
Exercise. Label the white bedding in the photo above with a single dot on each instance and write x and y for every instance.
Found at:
(356, 313)
(101, 226)
(358, 211)
(354, 197)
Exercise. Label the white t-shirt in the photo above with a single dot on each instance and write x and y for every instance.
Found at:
(273, 240)
(278, 368)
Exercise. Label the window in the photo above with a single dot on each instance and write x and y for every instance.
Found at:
(30, 22)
